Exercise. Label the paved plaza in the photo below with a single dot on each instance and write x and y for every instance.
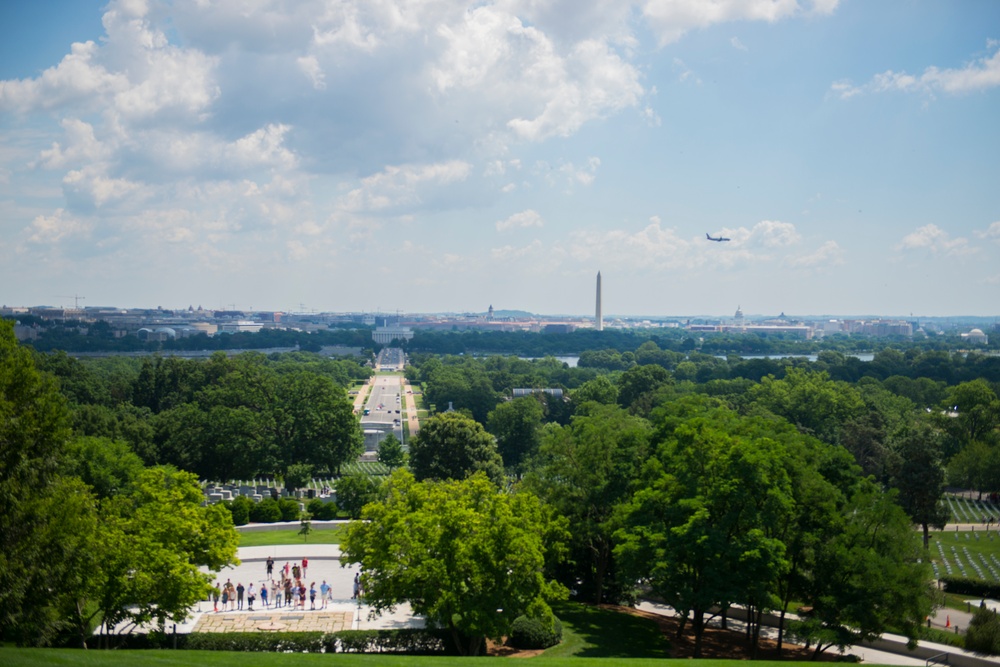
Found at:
(342, 613)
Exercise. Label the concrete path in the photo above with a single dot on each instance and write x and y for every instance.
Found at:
(359, 400)
(324, 565)
(411, 409)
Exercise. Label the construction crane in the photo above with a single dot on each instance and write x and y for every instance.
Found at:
(76, 299)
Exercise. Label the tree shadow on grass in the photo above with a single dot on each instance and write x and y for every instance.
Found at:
(589, 632)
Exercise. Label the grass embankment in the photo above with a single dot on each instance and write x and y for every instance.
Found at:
(268, 538)
(589, 632)
(78, 658)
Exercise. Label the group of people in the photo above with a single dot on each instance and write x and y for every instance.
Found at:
(232, 596)
(288, 591)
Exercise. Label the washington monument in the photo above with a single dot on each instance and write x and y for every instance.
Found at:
(598, 318)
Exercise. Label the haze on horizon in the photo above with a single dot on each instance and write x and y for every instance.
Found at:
(442, 156)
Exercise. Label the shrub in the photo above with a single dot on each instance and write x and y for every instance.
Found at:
(289, 509)
(983, 635)
(974, 587)
(534, 633)
(322, 510)
(240, 506)
(297, 642)
(403, 640)
(266, 511)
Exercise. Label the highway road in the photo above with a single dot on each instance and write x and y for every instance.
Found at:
(384, 404)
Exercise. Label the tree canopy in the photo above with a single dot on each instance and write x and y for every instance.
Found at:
(461, 552)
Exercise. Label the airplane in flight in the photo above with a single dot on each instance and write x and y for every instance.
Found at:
(717, 240)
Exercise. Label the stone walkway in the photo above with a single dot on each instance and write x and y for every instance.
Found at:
(274, 621)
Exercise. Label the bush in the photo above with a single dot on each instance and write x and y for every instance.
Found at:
(983, 635)
(241, 507)
(404, 640)
(266, 511)
(974, 587)
(534, 633)
(289, 509)
(322, 510)
(297, 642)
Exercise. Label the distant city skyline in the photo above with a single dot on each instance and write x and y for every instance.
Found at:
(442, 156)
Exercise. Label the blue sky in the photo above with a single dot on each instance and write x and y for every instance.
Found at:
(444, 156)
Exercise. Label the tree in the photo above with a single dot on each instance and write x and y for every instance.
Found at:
(143, 561)
(354, 492)
(515, 425)
(33, 434)
(867, 576)
(812, 401)
(697, 531)
(639, 381)
(464, 554)
(298, 476)
(920, 478)
(585, 471)
(983, 635)
(600, 390)
(390, 452)
(452, 446)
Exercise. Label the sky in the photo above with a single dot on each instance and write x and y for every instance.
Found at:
(443, 156)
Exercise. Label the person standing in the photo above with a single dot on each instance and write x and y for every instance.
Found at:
(302, 595)
(277, 594)
(296, 572)
(288, 592)
(251, 596)
(263, 594)
(270, 566)
(305, 566)
(324, 592)
(286, 569)
(239, 595)
(215, 596)
(312, 596)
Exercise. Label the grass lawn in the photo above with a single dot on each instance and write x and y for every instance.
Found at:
(74, 658)
(267, 538)
(980, 547)
(589, 632)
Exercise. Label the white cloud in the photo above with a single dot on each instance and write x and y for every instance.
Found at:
(991, 232)
(685, 73)
(737, 44)
(658, 249)
(76, 79)
(310, 65)
(936, 240)
(828, 254)
(527, 218)
(980, 74)
(398, 185)
(53, 228)
(510, 253)
(672, 18)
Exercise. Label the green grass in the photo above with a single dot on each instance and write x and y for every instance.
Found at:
(975, 544)
(970, 510)
(589, 632)
(370, 468)
(267, 538)
(79, 658)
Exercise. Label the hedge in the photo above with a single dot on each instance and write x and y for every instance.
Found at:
(296, 642)
(975, 587)
(414, 641)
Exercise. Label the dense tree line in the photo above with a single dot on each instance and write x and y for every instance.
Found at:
(222, 418)
(88, 535)
(100, 336)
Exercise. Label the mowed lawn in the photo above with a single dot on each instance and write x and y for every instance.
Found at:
(78, 658)
(979, 547)
(268, 538)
